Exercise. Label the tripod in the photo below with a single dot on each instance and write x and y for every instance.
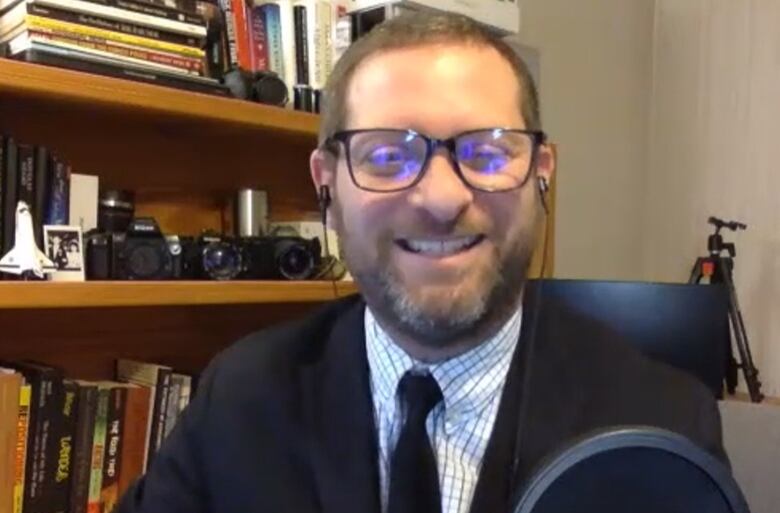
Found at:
(719, 269)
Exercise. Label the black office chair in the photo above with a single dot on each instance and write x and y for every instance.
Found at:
(683, 325)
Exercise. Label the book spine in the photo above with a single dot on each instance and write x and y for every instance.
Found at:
(319, 38)
(82, 448)
(170, 62)
(160, 12)
(172, 411)
(9, 194)
(136, 421)
(10, 384)
(142, 34)
(273, 31)
(98, 451)
(301, 48)
(41, 187)
(243, 51)
(109, 494)
(160, 411)
(61, 452)
(38, 471)
(58, 193)
(26, 176)
(116, 13)
(23, 428)
(258, 39)
(102, 51)
(230, 34)
(3, 173)
(177, 5)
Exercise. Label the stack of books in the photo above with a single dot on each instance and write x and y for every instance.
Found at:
(159, 41)
(76, 446)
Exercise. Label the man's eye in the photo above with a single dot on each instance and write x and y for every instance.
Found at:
(385, 156)
(484, 157)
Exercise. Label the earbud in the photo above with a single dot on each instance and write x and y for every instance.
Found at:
(544, 185)
(323, 199)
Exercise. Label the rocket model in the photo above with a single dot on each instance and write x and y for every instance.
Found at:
(25, 257)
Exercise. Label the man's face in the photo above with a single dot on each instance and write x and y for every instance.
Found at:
(440, 91)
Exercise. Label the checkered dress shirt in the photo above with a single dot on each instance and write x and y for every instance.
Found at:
(460, 426)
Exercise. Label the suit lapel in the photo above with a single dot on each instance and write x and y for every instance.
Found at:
(339, 414)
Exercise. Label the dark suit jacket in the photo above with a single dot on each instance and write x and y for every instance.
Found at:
(283, 420)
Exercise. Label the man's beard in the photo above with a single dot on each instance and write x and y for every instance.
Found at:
(439, 318)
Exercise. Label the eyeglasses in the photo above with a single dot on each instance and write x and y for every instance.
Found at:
(391, 160)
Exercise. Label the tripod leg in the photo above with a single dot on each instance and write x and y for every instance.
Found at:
(748, 368)
(696, 272)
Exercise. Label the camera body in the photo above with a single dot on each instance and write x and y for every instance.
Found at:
(141, 252)
(215, 257)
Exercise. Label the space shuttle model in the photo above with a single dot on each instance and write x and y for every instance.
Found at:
(25, 257)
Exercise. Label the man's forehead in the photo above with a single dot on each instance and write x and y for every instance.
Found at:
(406, 82)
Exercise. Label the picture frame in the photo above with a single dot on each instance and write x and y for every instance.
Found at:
(64, 246)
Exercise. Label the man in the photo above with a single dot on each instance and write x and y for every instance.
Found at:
(445, 384)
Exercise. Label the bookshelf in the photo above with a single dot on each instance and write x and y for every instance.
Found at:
(104, 294)
(184, 154)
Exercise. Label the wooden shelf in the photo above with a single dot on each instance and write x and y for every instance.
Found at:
(173, 293)
(62, 85)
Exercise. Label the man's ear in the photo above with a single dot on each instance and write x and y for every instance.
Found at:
(545, 162)
(322, 165)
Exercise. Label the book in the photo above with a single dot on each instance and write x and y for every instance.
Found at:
(22, 432)
(83, 201)
(42, 16)
(61, 450)
(25, 176)
(41, 53)
(109, 493)
(58, 195)
(243, 53)
(151, 9)
(258, 39)
(82, 446)
(107, 51)
(158, 378)
(273, 31)
(40, 188)
(9, 193)
(301, 46)
(120, 14)
(98, 447)
(10, 386)
(134, 446)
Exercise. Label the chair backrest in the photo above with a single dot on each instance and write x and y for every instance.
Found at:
(683, 325)
(751, 435)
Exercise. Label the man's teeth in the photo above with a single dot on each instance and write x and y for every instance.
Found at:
(441, 247)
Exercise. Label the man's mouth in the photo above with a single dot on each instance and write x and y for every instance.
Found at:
(439, 246)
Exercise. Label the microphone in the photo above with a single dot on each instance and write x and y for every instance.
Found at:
(632, 469)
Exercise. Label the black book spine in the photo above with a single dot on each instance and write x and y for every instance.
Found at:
(124, 27)
(46, 384)
(60, 452)
(3, 172)
(58, 195)
(26, 175)
(301, 49)
(82, 448)
(9, 195)
(159, 413)
(41, 188)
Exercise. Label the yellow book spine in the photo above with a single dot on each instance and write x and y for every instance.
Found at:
(21, 446)
(39, 22)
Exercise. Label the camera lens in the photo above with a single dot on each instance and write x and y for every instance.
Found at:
(221, 261)
(294, 260)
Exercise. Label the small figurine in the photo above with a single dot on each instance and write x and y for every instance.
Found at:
(25, 258)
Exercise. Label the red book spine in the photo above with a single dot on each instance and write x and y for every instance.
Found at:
(243, 51)
(258, 39)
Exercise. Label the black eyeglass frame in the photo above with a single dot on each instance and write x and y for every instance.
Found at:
(538, 139)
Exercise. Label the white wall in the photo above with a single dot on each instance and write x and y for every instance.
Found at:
(714, 149)
(595, 85)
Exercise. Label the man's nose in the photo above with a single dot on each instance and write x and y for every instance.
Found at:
(441, 191)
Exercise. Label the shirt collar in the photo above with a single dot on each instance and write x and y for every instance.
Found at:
(468, 382)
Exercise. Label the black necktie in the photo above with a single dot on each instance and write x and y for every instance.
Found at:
(414, 480)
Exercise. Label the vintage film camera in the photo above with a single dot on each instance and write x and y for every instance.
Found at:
(216, 257)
